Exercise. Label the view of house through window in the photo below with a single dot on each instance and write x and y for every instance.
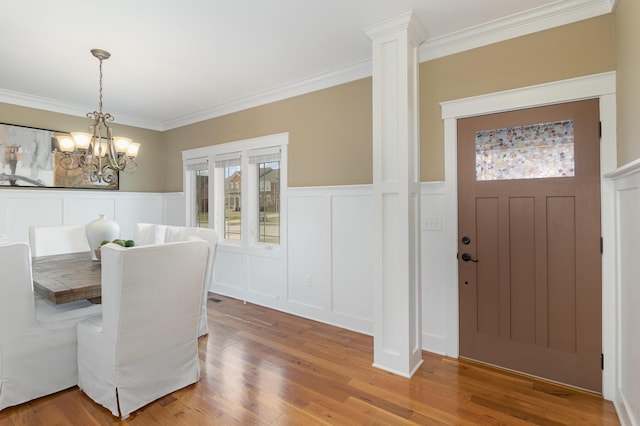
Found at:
(269, 202)
(239, 188)
(202, 198)
(232, 206)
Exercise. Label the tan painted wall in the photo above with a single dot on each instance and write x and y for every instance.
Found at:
(330, 130)
(148, 178)
(569, 51)
(330, 135)
(627, 15)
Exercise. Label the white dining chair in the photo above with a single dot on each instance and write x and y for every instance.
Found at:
(145, 344)
(50, 240)
(148, 233)
(38, 350)
(182, 233)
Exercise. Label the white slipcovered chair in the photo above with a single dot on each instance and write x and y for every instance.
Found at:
(181, 233)
(38, 350)
(148, 233)
(50, 240)
(145, 344)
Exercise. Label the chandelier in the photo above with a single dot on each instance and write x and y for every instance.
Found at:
(99, 154)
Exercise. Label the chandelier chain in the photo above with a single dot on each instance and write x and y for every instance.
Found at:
(100, 93)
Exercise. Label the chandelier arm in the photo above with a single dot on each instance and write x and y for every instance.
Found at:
(113, 155)
(69, 162)
(109, 175)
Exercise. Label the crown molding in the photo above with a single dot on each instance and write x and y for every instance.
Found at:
(559, 13)
(553, 15)
(52, 105)
(354, 72)
(404, 21)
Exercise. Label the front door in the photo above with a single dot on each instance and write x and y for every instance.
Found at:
(529, 241)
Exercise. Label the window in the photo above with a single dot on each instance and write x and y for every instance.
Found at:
(266, 166)
(232, 197)
(245, 185)
(269, 202)
(527, 152)
(202, 198)
(197, 178)
(230, 165)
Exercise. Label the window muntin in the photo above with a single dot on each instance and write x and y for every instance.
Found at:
(269, 202)
(527, 152)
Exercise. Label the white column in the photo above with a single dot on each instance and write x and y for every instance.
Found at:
(396, 189)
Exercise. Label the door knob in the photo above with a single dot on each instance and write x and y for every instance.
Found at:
(466, 257)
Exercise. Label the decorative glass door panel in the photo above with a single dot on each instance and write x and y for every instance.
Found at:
(525, 152)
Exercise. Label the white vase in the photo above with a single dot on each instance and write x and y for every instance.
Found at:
(100, 230)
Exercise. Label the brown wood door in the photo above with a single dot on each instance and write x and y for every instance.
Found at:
(532, 301)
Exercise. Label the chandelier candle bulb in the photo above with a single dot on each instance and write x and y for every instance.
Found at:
(121, 144)
(65, 142)
(100, 149)
(132, 150)
(81, 139)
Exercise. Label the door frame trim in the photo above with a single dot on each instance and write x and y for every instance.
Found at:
(602, 86)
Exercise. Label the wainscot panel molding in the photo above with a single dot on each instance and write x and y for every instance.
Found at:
(626, 182)
(21, 208)
(329, 276)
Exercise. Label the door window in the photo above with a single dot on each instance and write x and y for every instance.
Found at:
(526, 152)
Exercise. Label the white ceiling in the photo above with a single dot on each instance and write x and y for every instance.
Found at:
(178, 62)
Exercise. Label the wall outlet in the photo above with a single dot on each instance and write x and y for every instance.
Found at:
(307, 280)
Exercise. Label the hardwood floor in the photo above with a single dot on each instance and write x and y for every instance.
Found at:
(264, 367)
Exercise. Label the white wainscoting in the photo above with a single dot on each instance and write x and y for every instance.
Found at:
(435, 277)
(626, 181)
(329, 271)
(330, 255)
(328, 275)
(20, 208)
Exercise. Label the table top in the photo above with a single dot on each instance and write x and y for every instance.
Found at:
(66, 278)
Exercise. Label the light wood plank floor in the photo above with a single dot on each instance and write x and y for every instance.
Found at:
(264, 367)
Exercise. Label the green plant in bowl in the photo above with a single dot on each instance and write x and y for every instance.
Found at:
(120, 242)
(123, 243)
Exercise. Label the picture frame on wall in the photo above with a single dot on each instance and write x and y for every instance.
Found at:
(30, 157)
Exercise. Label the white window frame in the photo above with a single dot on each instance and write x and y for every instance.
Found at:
(249, 184)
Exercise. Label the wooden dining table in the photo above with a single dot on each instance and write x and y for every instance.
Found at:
(64, 278)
